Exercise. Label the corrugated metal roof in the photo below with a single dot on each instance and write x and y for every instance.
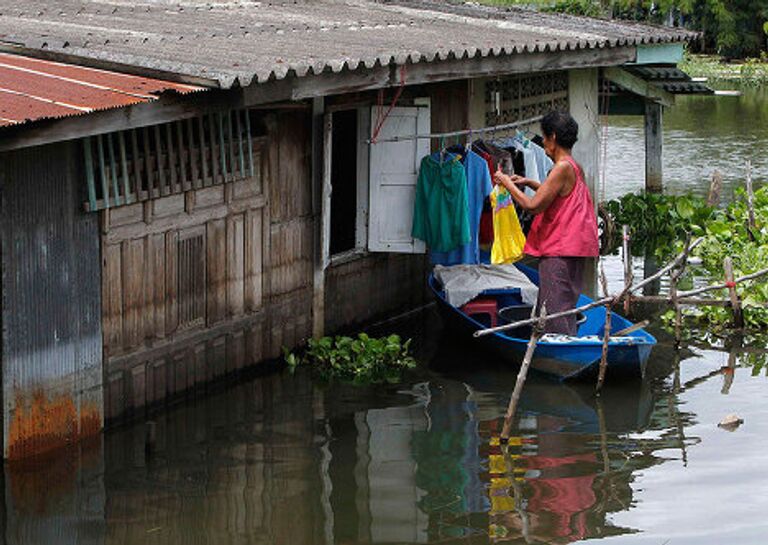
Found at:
(32, 89)
(670, 78)
(241, 42)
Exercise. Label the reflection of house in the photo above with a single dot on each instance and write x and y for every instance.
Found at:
(151, 245)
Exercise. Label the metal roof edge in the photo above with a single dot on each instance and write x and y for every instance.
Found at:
(90, 62)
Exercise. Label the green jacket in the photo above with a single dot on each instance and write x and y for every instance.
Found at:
(441, 211)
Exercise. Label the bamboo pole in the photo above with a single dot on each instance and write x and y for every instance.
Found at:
(675, 276)
(750, 198)
(626, 258)
(712, 287)
(730, 283)
(686, 301)
(664, 270)
(607, 329)
(632, 328)
(538, 329)
(676, 307)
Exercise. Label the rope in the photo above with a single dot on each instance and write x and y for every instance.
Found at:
(381, 119)
(603, 138)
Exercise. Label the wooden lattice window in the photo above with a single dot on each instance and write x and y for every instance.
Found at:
(191, 286)
(513, 98)
(135, 165)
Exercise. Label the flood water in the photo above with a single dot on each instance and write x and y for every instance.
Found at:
(280, 459)
(701, 134)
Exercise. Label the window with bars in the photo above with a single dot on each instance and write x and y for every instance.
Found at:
(513, 98)
(135, 165)
(191, 279)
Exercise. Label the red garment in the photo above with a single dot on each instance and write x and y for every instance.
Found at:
(568, 499)
(485, 235)
(488, 159)
(568, 227)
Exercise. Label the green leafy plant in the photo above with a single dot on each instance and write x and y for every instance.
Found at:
(658, 221)
(660, 224)
(361, 359)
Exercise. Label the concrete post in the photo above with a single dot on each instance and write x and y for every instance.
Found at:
(653, 147)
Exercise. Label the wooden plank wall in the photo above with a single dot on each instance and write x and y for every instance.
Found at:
(291, 236)
(150, 355)
(257, 239)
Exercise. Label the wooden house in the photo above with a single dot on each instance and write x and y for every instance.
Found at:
(188, 188)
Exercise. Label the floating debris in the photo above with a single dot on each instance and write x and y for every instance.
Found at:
(731, 422)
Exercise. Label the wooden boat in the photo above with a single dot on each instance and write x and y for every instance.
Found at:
(563, 357)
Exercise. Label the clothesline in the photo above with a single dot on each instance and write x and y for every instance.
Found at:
(460, 133)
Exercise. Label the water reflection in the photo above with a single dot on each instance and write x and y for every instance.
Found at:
(282, 460)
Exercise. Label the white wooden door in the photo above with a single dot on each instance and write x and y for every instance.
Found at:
(394, 169)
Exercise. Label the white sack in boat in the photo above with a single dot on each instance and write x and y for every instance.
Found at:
(462, 283)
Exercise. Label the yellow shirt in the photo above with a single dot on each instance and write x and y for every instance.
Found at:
(508, 237)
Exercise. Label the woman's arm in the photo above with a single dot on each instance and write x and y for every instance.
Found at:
(527, 182)
(545, 192)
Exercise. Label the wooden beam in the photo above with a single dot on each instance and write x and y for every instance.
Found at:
(638, 86)
(518, 64)
(319, 136)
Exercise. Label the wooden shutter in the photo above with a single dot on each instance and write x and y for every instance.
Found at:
(394, 168)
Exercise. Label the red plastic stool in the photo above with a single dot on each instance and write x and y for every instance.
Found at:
(482, 306)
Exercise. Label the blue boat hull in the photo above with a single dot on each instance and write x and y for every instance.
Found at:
(564, 360)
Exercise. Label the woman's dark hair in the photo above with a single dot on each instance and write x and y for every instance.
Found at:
(562, 126)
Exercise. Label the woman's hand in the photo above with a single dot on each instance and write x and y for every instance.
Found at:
(500, 178)
(508, 181)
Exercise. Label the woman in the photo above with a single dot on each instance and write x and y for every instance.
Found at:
(564, 231)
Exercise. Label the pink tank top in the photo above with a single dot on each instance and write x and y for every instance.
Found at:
(568, 227)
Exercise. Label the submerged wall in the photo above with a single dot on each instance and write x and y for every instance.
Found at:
(51, 316)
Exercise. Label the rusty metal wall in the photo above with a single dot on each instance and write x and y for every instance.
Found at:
(51, 338)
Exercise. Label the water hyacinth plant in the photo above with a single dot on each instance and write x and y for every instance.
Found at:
(361, 359)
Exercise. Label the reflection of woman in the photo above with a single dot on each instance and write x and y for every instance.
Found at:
(564, 231)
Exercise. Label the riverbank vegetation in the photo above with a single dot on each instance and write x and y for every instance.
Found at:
(360, 360)
(660, 224)
(752, 72)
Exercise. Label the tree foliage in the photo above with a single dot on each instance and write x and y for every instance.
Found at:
(731, 28)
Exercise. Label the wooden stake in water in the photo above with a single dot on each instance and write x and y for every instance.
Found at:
(730, 283)
(606, 331)
(715, 188)
(627, 259)
(538, 329)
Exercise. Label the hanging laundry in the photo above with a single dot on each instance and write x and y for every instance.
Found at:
(441, 210)
(498, 155)
(508, 241)
(540, 162)
(478, 188)
(495, 156)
